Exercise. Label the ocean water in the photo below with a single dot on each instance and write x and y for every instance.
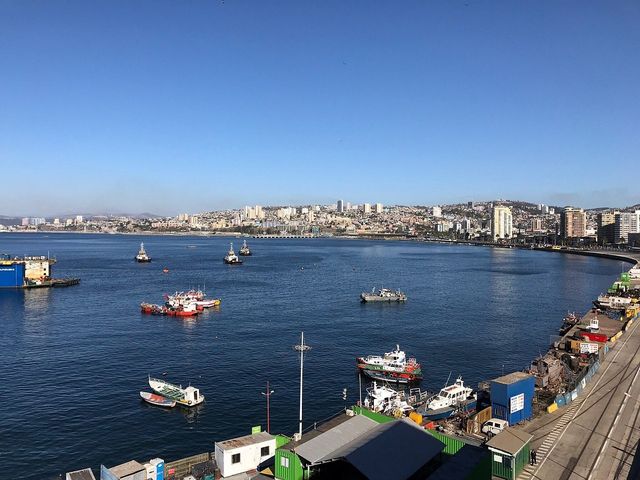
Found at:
(73, 360)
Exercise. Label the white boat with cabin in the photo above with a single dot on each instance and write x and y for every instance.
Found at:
(189, 396)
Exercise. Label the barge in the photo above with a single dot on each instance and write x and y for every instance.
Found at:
(30, 272)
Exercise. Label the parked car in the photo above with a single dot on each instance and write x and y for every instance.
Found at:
(494, 426)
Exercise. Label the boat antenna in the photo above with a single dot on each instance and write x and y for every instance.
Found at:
(448, 378)
(301, 348)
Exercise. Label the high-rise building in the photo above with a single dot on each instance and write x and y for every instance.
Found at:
(606, 227)
(437, 211)
(25, 222)
(501, 222)
(536, 224)
(573, 223)
(466, 225)
(340, 206)
(79, 219)
(626, 223)
(366, 208)
(379, 208)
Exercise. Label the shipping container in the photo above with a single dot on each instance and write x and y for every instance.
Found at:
(512, 397)
(11, 275)
(595, 337)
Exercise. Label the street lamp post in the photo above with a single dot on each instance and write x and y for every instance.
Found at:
(301, 348)
(268, 394)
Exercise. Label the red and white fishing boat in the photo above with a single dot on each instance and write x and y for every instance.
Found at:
(391, 367)
(158, 400)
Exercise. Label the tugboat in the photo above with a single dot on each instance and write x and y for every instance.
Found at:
(383, 295)
(244, 250)
(189, 397)
(450, 399)
(391, 367)
(231, 258)
(142, 256)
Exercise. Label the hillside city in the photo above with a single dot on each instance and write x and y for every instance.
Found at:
(509, 222)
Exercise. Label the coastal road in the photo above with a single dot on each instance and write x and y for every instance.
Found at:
(597, 435)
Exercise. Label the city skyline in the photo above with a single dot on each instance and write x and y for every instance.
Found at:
(164, 108)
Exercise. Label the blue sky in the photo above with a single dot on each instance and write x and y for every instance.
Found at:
(189, 106)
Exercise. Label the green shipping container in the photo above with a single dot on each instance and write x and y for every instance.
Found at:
(288, 466)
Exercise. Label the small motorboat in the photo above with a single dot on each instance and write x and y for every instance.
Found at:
(158, 400)
(165, 270)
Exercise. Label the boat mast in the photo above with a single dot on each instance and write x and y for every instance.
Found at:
(301, 348)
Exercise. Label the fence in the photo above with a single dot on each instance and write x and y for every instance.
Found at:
(181, 468)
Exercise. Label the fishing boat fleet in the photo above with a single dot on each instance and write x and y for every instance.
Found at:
(394, 368)
(181, 304)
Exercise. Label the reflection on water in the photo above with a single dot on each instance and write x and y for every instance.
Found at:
(190, 414)
(36, 302)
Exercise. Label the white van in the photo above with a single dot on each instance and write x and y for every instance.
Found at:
(494, 426)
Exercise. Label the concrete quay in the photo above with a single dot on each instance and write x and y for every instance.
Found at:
(596, 436)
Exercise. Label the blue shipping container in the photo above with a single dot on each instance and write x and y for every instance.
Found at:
(512, 397)
(12, 276)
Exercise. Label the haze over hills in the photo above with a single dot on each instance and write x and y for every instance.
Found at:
(9, 219)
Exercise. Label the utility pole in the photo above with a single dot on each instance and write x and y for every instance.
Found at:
(301, 348)
(268, 394)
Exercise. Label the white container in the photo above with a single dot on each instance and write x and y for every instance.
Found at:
(151, 471)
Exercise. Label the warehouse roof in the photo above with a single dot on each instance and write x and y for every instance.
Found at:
(393, 450)
(127, 469)
(324, 444)
(512, 378)
(84, 474)
(244, 441)
(510, 441)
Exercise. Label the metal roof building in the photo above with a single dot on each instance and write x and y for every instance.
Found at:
(360, 448)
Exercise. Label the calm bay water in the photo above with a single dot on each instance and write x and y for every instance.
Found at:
(73, 360)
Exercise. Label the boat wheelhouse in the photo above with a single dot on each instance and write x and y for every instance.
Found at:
(189, 396)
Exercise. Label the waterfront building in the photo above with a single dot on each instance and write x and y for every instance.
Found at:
(379, 208)
(25, 222)
(501, 222)
(79, 219)
(606, 227)
(466, 225)
(573, 223)
(360, 447)
(626, 223)
(437, 211)
(243, 454)
(56, 221)
(68, 222)
(340, 206)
